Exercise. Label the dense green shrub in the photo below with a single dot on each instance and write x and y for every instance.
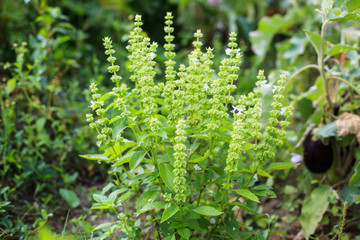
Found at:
(190, 164)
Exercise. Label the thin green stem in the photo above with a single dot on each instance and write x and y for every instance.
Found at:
(123, 220)
(292, 77)
(346, 82)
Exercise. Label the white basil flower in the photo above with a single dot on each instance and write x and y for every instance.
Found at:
(228, 51)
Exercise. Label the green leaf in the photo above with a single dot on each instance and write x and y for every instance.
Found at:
(329, 130)
(352, 5)
(315, 92)
(247, 194)
(136, 159)
(151, 206)
(145, 197)
(117, 130)
(125, 158)
(184, 233)
(263, 173)
(207, 211)
(107, 188)
(144, 136)
(163, 135)
(262, 37)
(100, 206)
(355, 178)
(114, 119)
(315, 40)
(346, 16)
(106, 95)
(314, 208)
(100, 198)
(280, 166)
(96, 157)
(199, 159)
(169, 212)
(350, 194)
(105, 226)
(10, 85)
(265, 193)
(167, 175)
(339, 48)
(70, 197)
(126, 196)
(243, 206)
(172, 237)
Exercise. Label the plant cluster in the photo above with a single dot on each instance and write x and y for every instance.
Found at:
(177, 156)
(40, 124)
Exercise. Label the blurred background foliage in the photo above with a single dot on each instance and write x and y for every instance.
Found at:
(50, 51)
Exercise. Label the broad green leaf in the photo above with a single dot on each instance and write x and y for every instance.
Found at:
(167, 175)
(106, 95)
(355, 178)
(243, 206)
(315, 40)
(136, 159)
(262, 37)
(114, 119)
(163, 135)
(207, 211)
(184, 233)
(100, 198)
(144, 136)
(339, 48)
(40, 123)
(126, 157)
(145, 198)
(280, 166)
(247, 194)
(352, 5)
(170, 153)
(261, 187)
(172, 237)
(263, 173)
(315, 92)
(4, 204)
(245, 167)
(107, 188)
(199, 159)
(293, 48)
(268, 27)
(100, 206)
(150, 206)
(314, 208)
(117, 130)
(105, 226)
(96, 157)
(350, 194)
(329, 130)
(10, 85)
(112, 196)
(70, 197)
(346, 16)
(169, 212)
(265, 193)
(126, 196)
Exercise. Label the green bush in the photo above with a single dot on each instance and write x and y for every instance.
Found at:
(177, 156)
